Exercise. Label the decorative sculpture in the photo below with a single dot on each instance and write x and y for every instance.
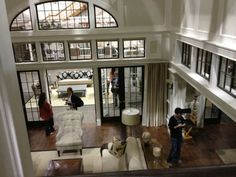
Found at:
(193, 117)
(146, 137)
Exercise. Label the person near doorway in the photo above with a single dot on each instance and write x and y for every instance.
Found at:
(73, 100)
(46, 113)
(176, 123)
(115, 88)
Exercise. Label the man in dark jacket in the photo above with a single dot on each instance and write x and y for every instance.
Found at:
(176, 123)
(73, 100)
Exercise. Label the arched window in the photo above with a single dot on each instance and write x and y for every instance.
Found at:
(63, 15)
(104, 19)
(22, 21)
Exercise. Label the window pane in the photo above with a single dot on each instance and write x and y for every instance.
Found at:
(104, 19)
(227, 75)
(53, 51)
(107, 49)
(80, 50)
(186, 55)
(24, 52)
(22, 21)
(63, 14)
(133, 48)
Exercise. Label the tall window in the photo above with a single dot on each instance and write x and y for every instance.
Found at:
(80, 50)
(227, 76)
(24, 52)
(134, 48)
(22, 21)
(186, 55)
(107, 49)
(204, 63)
(62, 15)
(53, 51)
(104, 19)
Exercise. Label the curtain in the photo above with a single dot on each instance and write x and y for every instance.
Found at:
(154, 112)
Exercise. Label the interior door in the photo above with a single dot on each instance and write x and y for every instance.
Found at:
(120, 88)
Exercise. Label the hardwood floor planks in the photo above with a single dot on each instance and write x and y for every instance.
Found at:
(198, 151)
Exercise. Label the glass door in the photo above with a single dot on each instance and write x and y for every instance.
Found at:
(30, 87)
(120, 88)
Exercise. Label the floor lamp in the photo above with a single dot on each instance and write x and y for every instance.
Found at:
(130, 117)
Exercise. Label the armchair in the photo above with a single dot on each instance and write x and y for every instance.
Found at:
(69, 136)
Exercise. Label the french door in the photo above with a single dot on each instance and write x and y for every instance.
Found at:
(30, 88)
(120, 88)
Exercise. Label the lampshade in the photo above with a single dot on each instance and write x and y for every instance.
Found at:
(130, 116)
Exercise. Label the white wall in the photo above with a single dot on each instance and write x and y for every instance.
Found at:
(209, 20)
(144, 12)
(229, 18)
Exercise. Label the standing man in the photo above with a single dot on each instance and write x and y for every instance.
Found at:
(176, 123)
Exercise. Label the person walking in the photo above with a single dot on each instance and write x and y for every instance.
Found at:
(45, 112)
(176, 123)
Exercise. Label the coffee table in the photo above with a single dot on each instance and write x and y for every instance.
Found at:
(76, 89)
(65, 167)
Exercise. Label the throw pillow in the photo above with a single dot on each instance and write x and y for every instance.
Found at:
(118, 147)
(81, 75)
(59, 77)
(64, 75)
(85, 74)
(70, 74)
(104, 146)
(76, 75)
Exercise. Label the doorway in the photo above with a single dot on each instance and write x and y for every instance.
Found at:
(120, 88)
(211, 113)
(81, 81)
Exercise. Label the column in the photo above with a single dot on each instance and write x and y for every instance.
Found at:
(14, 145)
(97, 95)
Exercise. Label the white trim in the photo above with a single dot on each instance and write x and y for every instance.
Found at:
(217, 96)
(214, 47)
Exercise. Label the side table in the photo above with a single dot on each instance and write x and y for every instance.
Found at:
(150, 159)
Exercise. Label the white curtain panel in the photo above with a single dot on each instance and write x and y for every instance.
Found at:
(154, 113)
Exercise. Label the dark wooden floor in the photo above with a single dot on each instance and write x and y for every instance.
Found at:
(199, 151)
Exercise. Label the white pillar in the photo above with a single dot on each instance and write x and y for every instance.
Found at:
(44, 81)
(14, 145)
(179, 92)
(97, 95)
(67, 51)
(214, 70)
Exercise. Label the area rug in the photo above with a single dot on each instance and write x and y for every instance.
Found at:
(41, 159)
(228, 156)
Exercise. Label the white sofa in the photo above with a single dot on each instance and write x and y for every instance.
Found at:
(69, 136)
(133, 158)
(81, 81)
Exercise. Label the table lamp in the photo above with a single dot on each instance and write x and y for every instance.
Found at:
(130, 117)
